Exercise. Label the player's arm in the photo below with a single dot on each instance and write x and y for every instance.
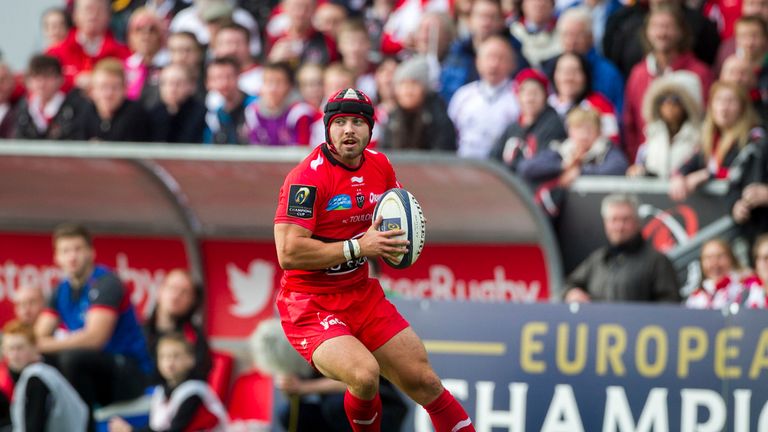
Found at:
(99, 325)
(297, 250)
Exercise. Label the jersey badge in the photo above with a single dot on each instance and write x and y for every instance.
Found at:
(339, 202)
(301, 201)
(360, 198)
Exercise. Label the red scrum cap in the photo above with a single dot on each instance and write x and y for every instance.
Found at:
(348, 102)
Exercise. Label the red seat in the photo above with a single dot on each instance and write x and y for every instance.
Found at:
(251, 398)
(220, 376)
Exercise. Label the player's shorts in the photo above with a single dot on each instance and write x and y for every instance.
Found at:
(311, 319)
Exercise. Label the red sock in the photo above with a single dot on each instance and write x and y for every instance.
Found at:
(447, 414)
(363, 415)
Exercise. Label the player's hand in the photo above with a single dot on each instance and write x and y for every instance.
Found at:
(375, 243)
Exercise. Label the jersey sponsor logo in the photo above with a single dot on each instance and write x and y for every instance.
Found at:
(329, 320)
(346, 267)
(360, 200)
(339, 202)
(301, 201)
(358, 218)
(357, 179)
(317, 162)
(374, 198)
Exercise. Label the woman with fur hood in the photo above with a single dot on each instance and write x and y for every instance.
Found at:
(672, 110)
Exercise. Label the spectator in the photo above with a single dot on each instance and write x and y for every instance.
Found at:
(354, 46)
(48, 112)
(523, 142)
(277, 118)
(42, 399)
(194, 20)
(232, 40)
(750, 43)
(178, 300)
(600, 11)
(625, 49)
(7, 107)
(459, 66)
(721, 285)
(629, 268)
(182, 402)
(755, 294)
(146, 37)
(672, 111)
(336, 77)
(88, 43)
(668, 42)
(309, 79)
(111, 117)
(432, 40)
(482, 109)
(739, 71)
(726, 14)
(575, 29)
(28, 304)
(184, 50)
(225, 123)
(166, 9)
(732, 146)
(328, 19)
(751, 209)
(104, 336)
(56, 25)
(179, 117)
(301, 42)
(537, 31)
(385, 90)
(572, 81)
(420, 120)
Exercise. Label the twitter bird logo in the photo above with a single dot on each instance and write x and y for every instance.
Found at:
(251, 290)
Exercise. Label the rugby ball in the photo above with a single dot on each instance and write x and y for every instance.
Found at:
(400, 210)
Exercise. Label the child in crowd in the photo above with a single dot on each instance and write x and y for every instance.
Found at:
(181, 402)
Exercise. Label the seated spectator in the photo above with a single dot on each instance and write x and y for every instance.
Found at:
(336, 77)
(750, 43)
(309, 80)
(459, 65)
(184, 50)
(103, 335)
(534, 131)
(732, 146)
(672, 113)
(7, 106)
(166, 9)
(571, 78)
(385, 89)
(28, 304)
(232, 40)
(277, 118)
(225, 123)
(354, 46)
(482, 110)
(182, 402)
(537, 31)
(111, 117)
(575, 30)
(329, 18)
(194, 19)
(300, 41)
(48, 112)
(432, 40)
(625, 49)
(88, 43)
(738, 70)
(755, 294)
(56, 24)
(178, 300)
(42, 400)
(179, 117)
(721, 283)
(751, 208)
(629, 268)
(146, 37)
(420, 121)
(668, 41)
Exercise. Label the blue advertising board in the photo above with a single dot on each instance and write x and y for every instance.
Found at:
(597, 367)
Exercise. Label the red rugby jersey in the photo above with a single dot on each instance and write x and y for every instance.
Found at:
(336, 203)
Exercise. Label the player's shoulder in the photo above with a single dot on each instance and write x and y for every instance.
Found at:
(376, 157)
(312, 165)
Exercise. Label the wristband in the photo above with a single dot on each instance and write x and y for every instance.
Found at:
(347, 250)
(355, 248)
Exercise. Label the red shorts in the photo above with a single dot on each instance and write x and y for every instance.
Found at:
(311, 319)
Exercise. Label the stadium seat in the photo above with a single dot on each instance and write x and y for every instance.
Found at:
(220, 376)
(251, 398)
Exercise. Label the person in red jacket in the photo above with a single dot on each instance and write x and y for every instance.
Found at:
(87, 43)
(668, 45)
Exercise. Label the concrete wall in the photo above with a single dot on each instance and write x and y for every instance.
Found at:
(20, 30)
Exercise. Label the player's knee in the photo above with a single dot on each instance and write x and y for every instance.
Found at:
(365, 379)
(424, 386)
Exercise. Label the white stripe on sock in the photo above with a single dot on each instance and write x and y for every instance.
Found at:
(368, 422)
(461, 425)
